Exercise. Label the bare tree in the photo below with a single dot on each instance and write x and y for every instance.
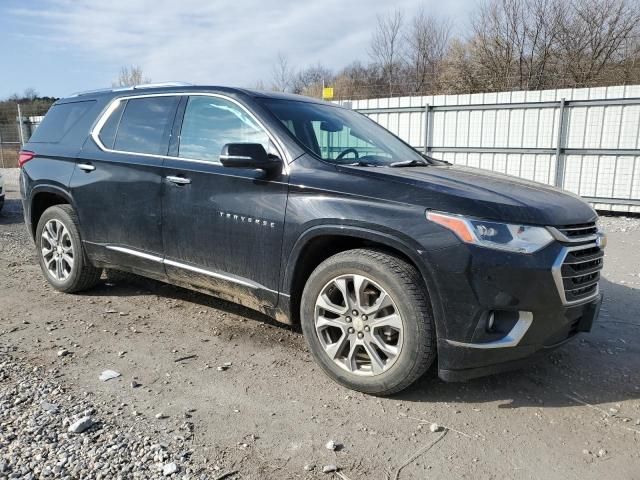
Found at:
(359, 81)
(31, 94)
(310, 80)
(427, 42)
(282, 75)
(513, 42)
(259, 85)
(130, 76)
(459, 71)
(596, 35)
(385, 46)
(629, 69)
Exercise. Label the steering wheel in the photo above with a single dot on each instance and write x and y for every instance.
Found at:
(347, 151)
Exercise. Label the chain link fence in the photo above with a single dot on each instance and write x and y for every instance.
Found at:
(18, 120)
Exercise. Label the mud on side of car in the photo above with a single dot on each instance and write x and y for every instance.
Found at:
(392, 261)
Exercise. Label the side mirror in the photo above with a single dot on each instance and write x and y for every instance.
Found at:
(249, 155)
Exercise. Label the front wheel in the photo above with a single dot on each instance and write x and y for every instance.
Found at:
(367, 319)
(60, 251)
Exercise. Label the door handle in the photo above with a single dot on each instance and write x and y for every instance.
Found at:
(87, 167)
(179, 180)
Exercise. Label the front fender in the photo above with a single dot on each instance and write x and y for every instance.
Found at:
(390, 240)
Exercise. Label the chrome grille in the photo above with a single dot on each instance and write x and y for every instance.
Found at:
(582, 231)
(577, 272)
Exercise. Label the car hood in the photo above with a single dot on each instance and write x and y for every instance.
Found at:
(486, 194)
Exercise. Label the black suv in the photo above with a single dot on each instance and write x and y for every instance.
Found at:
(312, 214)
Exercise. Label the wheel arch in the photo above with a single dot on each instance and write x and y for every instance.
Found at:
(43, 197)
(319, 243)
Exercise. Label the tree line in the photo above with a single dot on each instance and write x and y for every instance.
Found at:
(34, 104)
(510, 45)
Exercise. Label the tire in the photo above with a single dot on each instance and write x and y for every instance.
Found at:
(414, 333)
(76, 273)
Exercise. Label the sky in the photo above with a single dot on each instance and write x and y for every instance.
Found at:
(63, 46)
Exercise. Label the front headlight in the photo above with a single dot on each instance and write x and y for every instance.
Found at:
(496, 235)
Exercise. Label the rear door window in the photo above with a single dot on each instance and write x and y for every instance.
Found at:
(59, 121)
(146, 124)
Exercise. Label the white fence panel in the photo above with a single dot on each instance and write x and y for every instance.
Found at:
(586, 141)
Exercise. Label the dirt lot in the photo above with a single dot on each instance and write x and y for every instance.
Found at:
(575, 415)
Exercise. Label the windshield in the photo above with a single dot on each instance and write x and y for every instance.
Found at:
(341, 136)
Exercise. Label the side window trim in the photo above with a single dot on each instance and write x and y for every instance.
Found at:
(124, 107)
(95, 132)
(174, 140)
(115, 133)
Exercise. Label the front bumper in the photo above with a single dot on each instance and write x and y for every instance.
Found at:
(476, 284)
(463, 363)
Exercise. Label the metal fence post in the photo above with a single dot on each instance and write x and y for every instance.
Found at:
(560, 145)
(427, 129)
(1, 151)
(20, 125)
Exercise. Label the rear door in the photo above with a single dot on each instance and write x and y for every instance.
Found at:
(222, 227)
(117, 183)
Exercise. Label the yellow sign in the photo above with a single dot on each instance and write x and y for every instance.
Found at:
(327, 93)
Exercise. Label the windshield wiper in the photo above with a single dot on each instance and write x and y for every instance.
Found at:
(410, 163)
(361, 164)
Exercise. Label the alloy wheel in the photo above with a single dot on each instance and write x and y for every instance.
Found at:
(358, 325)
(57, 250)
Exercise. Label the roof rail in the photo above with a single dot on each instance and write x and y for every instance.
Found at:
(134, 87)
(162, 84)
(89, 92)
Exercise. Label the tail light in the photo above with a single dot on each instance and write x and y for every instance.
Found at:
(24, 156)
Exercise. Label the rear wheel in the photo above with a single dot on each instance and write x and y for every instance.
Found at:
(60, 251)
(366, 317)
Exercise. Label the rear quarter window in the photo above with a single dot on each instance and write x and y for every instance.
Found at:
(108, 132)
(60, 120)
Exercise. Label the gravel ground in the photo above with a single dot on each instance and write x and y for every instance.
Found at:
(224, 392)
(50, 431)
(620, 224)
(10, 175)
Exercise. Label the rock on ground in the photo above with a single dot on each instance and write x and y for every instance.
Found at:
(82, 425)
(108, 375)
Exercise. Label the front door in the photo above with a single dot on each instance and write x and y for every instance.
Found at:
(222, 227)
